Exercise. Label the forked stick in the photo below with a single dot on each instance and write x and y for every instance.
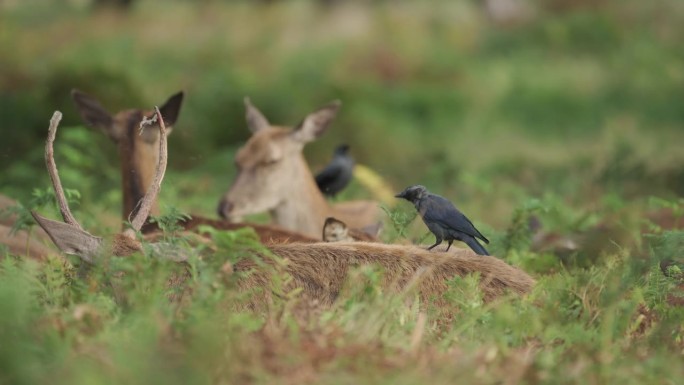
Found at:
(54, 175)
(153, 190)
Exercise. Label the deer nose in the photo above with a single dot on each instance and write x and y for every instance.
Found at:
(224, 208)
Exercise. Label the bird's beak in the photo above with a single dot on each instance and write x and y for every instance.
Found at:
(400, 195)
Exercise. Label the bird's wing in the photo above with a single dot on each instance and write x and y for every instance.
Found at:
(329, 174)
(440, 210)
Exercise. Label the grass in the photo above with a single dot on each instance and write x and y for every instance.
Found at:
(611, 322)
(573, 115)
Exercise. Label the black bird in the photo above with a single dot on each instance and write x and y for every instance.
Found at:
(443, 219)
(338, 173)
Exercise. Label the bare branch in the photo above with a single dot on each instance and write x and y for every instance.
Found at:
(154, 188)
(54, 175)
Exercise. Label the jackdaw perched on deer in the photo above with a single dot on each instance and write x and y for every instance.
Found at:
(443, 219)
(338, 173)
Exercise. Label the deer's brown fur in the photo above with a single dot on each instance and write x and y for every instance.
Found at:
(273, 176)
(321, 268)
(321, 271)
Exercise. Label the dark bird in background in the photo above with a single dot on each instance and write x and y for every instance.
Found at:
(443, 219)
(338, 173)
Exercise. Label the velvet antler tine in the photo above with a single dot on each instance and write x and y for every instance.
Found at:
(151, 194)
(54, 175)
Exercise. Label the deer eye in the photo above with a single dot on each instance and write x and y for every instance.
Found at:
(272, 155)
(271, 158)
(271, 161)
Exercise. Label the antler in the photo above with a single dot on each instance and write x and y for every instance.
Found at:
(153, 190)
(70, 236)
(54, 175)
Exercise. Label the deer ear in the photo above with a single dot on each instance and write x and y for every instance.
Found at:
(256, 121)
(70, 239)
(316, 123)
(94, 115)
(334, 230)
(171, 109)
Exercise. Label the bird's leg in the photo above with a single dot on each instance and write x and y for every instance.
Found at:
(438, 241)
(450, 241)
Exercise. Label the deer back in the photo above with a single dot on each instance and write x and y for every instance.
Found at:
(321, 269)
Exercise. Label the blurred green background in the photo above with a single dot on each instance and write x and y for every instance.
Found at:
(570, 110)
(489, 103)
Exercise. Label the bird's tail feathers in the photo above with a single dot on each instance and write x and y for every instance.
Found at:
(476, 246)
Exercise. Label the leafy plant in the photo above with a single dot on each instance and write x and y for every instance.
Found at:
(400, 219)
(170, 222)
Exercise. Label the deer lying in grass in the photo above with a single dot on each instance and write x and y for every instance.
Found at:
(273, 176)
(319, 269)
(139, 154)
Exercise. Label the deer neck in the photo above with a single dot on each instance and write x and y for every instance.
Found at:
(137, 170)
(307, 212)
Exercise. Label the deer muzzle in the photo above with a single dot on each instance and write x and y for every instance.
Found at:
(225, 211)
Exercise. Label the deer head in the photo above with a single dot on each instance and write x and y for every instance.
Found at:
(272, 172)
(138, 151)
(69, 236)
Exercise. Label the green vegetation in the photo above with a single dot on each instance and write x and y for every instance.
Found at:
(572, 115)
(116, 323)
